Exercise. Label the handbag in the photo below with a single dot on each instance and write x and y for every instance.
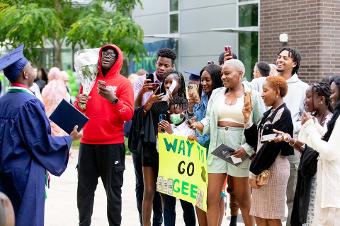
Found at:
(263, 178)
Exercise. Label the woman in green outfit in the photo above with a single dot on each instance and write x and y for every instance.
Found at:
(224, 122)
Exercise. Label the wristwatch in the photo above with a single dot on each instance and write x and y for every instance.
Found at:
(115, 100)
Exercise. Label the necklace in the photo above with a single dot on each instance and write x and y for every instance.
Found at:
(231, 98)
(322, 118)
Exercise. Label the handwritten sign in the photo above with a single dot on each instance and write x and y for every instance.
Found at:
(182, 169)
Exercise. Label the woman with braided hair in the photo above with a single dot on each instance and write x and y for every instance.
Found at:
(318, 102)
(312, 136)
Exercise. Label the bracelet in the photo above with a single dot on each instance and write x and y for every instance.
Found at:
(292, 144)
(145, 105)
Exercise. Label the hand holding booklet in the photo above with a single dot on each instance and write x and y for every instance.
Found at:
(67, 117)
(227, 154)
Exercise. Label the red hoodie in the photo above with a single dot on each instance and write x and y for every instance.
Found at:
(106, 120)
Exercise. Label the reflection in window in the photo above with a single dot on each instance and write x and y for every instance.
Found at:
(173, 5)
(248, 15)
(248, 41)
(174, 23)
(248, 51)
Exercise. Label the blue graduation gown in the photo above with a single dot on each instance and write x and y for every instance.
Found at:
(27, 150)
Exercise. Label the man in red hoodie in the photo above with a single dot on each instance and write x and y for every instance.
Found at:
(102, 151)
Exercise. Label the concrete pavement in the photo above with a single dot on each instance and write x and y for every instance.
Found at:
(61, 202)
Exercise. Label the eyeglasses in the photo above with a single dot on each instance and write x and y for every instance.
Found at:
(110, 55)
(210, 62)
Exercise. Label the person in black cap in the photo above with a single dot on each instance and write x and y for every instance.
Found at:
(27, 149)
(194, 77)
(260, 72)
(223, 57)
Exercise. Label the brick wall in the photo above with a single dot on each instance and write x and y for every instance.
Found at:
(313, 27)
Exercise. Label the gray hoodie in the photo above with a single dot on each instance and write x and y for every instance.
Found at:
(295, 100)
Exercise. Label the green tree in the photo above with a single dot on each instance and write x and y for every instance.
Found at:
(40, 23)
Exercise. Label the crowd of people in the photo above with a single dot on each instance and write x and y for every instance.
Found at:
(282, 130)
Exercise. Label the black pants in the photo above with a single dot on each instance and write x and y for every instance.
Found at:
(157, 203)
(169, 205)
(107, 162)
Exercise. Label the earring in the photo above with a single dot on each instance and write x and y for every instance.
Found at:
(321, 102)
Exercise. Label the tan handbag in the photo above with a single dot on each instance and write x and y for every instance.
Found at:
(262, 178)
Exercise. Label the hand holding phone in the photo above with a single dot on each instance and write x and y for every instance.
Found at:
(150, 78)
(227, 50)
(101, 84)
(192, 93)
(228, 55)
(162, 117)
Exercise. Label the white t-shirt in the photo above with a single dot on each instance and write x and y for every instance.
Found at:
(182, 129)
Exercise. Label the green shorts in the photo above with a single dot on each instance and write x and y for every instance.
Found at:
(232, 137)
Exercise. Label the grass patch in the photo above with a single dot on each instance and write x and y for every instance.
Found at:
(75, 144)
(127, 150)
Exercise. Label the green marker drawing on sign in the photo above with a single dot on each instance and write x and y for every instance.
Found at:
(170, 146)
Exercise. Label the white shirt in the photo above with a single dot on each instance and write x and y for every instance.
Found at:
(295, 100)
(328, 172)
(35, 89)
(257, 84)
(138, 85)
(182, 130)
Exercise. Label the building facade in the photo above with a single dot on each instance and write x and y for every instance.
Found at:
(251, 27)
(202, 28)
(312, 26)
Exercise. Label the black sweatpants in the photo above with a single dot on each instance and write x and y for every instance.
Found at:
(105, 161)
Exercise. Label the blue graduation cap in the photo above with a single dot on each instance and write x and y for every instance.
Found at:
(193, 75)
(13, 63)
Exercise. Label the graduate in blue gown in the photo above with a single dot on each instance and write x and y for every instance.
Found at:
(27, 149)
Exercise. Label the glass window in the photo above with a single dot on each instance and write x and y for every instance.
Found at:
(248, 15)
(173, 5)
(248, 41)
(174, 23)
(248, 51)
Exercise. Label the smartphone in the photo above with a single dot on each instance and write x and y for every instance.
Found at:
(192, 92)
(227, 49)
(150, 77)
(154, 85)
(162, 117)
(102, 83)
(268, 138)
